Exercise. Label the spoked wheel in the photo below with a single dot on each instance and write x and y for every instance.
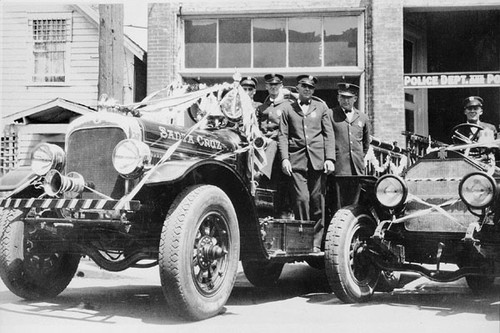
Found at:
(33, 264)
(199, 252)
(350, 272)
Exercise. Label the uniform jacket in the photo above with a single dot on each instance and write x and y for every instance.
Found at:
(306, 137)
(269, 115)
(352, 141)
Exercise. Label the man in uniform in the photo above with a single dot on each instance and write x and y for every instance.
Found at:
(473, 109)
(268, 116)
(307, 147)
(249, 84)
(352, 141)
(269, 113)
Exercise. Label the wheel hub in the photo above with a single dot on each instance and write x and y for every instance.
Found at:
(208, 251)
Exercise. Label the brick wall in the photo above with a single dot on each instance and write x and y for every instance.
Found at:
(385, 80)
(162, 41)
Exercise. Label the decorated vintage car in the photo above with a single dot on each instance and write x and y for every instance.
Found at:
(443, 209)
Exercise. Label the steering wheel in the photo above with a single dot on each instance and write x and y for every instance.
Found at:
(469, 133)
(465, 133)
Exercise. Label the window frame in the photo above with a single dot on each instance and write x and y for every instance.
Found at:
(68, 17)
(320, 70)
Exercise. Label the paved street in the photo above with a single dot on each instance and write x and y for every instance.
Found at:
(132, 301)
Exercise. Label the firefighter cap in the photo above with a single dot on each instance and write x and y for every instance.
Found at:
(273, 78)
(308, 80)
(249, 81)
(348, 89)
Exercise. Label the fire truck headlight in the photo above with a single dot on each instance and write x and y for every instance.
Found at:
(130, 157)
(391, 191)
(47, 156)
(477, 190)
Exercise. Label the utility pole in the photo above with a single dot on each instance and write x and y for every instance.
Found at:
(111, 51)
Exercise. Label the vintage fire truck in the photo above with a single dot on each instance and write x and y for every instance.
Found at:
(444, 209)
(132, 190)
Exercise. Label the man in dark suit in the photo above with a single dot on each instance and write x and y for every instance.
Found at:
(307, 147)
(352, 141)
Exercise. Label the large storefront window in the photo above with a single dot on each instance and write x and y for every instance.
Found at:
(272, 42)
(234, 43)
(269, 38)
(305, 42)
(201, 44)
(341, 41)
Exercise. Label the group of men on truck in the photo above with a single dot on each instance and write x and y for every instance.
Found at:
(309, 141)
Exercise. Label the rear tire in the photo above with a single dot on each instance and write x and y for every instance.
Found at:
(349, 270)
(33, 265)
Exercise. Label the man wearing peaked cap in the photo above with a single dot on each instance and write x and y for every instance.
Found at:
(307, 147)
(473, 109)
(352, 141)
(249, 84)
(268, 116)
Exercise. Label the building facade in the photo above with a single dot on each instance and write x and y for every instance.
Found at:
(383, 46)
(50, 74)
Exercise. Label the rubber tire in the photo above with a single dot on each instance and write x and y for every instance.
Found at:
(17, 273)
(345, 225)
(177, 261)
(262, 274)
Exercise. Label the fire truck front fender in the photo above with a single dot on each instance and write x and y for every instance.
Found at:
(174, 171)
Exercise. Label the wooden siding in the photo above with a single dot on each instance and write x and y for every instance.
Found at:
(19, 93)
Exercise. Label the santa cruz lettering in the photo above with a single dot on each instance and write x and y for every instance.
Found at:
(199, 140)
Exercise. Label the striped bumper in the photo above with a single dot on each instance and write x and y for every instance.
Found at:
(75, 204)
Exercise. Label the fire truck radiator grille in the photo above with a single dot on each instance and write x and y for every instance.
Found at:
(89, 152)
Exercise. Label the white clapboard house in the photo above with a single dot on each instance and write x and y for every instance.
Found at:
(49, 73)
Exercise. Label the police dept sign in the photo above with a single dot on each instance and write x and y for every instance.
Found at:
(452, 80)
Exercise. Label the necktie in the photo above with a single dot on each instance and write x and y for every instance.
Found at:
(304, 103)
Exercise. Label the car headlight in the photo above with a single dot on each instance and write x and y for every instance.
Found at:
(47, 156)
(391, 191)
(477, 189)
(130, 157)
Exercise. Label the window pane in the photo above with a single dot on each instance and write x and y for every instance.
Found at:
(341, 41)
(234, 43)
(305, 42)
(200, 39)
(269, 48)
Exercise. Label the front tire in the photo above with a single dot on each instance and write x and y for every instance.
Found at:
(199, 252)
(349, 270)
(33, 265)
